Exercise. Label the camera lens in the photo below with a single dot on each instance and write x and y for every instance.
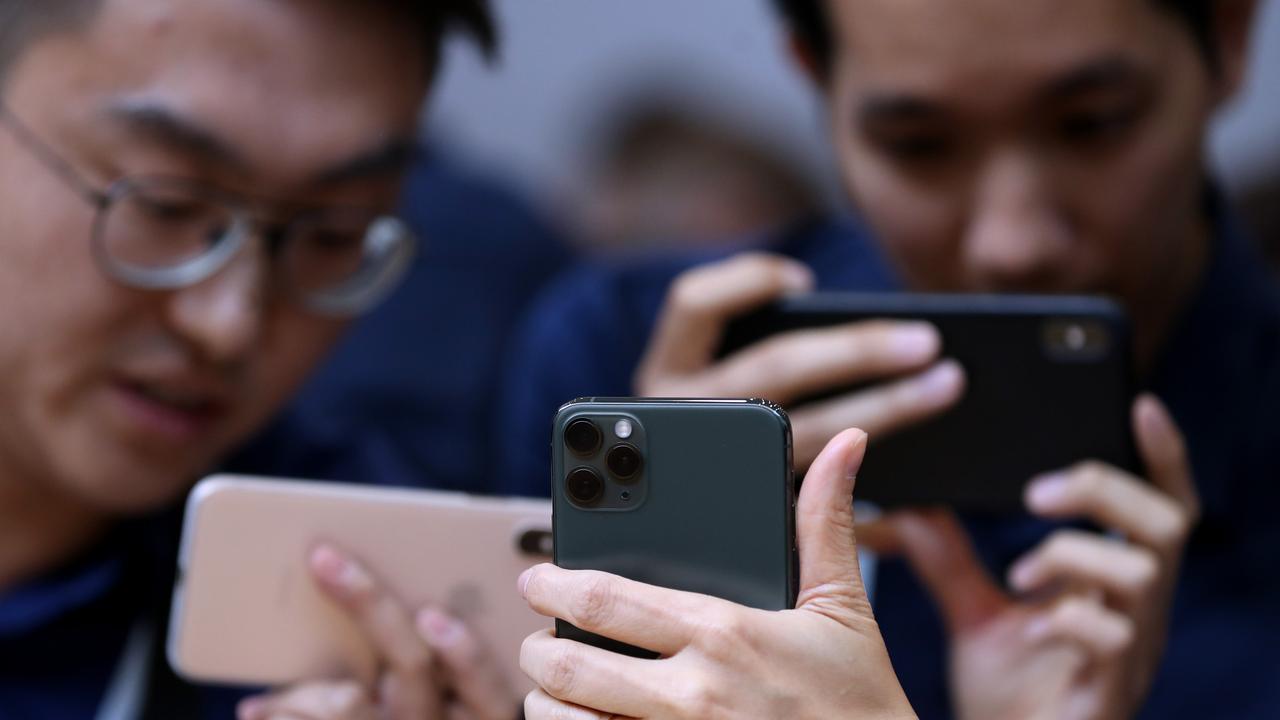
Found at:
(624, 461)
(585, 486)
(582, 436)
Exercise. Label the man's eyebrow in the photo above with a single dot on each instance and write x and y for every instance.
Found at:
(1108, 72)
(389, 158)
(168, 127)
(164, 125)
(891, 108)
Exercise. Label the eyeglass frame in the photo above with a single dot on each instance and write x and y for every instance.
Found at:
(244, 224)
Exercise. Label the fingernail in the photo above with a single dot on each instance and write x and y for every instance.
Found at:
(250, 708)
(439, 629)
(1047, 491)
(942, 382)
(336, 568)
(523, 583)
(855, 459)
(915, 342)
(1152, 416)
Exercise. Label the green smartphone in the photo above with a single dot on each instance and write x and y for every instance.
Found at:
(695, 495)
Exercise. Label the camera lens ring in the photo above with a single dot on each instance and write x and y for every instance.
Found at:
(624, 461)
(583, 437)
(584, 486)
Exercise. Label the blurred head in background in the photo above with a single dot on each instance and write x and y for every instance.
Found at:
(192, 200)
(665, 175)
(1030, 145)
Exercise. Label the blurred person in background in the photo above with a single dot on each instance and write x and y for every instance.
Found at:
(194, 199)
(990, 146)
(664, 175)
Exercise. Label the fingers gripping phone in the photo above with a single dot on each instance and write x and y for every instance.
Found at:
(247, 611)
(695, 495)
(1048, 384)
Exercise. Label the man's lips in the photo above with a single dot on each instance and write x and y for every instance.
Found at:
(169, 410)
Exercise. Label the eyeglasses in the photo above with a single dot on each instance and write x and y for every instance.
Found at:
(163, 233)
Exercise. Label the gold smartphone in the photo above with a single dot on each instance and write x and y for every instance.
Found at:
(246, 610)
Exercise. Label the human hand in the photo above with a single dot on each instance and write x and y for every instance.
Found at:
(680, 360)
(433, 667)
(824, 659)
(1083, 635)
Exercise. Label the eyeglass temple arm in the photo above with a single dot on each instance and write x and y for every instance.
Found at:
(51, 159)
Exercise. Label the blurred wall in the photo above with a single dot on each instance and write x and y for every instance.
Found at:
(565, 60)
(1246, 147)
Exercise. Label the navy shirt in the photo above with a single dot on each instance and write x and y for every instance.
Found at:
(1219, 373)
(63, 635)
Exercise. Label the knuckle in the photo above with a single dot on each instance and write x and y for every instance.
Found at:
(695, 697)
(1090, 480)
(593, 605)
(723, 638)
(559, 675)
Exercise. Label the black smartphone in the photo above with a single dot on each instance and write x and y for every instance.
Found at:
(694, 495)
(1049, 383)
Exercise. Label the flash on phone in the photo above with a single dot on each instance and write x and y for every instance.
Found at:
(622, 429)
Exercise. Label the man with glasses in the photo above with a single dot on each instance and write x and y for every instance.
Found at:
(195, 199)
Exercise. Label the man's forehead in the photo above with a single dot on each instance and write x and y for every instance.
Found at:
(252, 82)
(928, 41)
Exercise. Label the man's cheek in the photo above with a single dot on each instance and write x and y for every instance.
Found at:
(284, 364)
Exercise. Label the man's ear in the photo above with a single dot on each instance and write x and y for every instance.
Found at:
(804, 58)
(1232, 33)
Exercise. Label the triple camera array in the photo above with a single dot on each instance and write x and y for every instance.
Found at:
(602, 478)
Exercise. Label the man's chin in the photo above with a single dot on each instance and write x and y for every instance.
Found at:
(128, 489)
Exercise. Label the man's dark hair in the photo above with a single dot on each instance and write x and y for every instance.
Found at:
(22, 21)
(808, 19)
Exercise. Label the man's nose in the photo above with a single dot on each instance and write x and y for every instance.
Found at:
(1017, 230)
(223, 315)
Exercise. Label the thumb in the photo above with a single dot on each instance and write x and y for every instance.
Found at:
(942, 556)
(824, 524)
(1164, 451)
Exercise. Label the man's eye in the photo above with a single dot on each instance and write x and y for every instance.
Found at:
(1089, 127)
(170, 210)
(334, 240)
(915, 148)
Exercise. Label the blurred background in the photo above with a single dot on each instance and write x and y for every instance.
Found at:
(612, 112)
(606, 129)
